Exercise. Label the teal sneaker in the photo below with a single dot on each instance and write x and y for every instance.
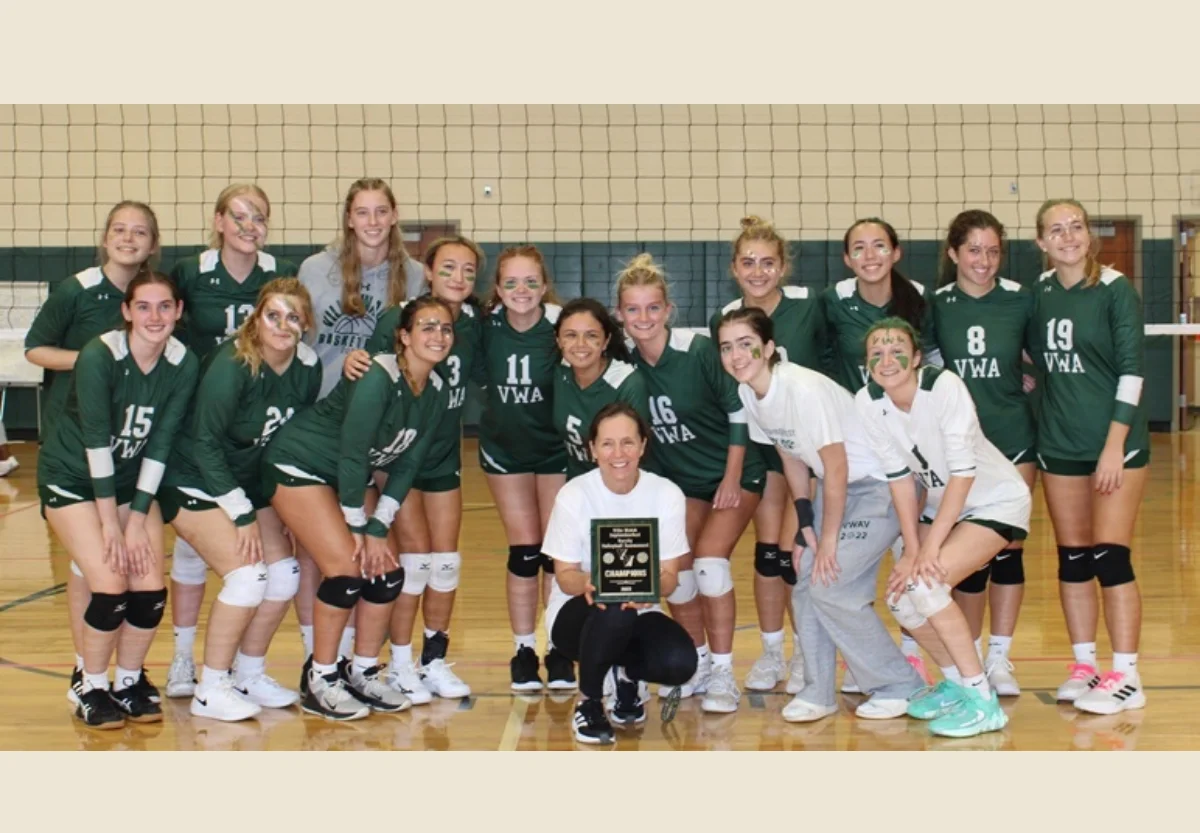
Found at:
(930, 703)
(975, 714)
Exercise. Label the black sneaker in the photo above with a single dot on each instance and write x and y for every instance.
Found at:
(304, 669)
(524, 669)
(135, 705)
(591, 724)
(628, 709)
(75, 692)
(329, 698)
(435, 647)
(98, 711)
(560, 671)
(146, 688)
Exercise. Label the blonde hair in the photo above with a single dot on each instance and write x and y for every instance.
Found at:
(1091, 266)
(755, 228)
(237, 189)
(642, 271)
(527, 251)
(397, 257)
(248, 347)
(150, 262)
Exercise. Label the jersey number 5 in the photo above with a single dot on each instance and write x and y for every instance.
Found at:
(138, 421)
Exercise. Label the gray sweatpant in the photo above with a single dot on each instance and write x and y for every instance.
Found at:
(840, 617)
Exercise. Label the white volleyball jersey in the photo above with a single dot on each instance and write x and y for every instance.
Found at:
(938, 438)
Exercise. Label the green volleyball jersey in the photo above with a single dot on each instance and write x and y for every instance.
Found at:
(78, 309)
(455, 370)
(380, 424)
(234, 414)
(214, 304)
(1089, 340)
(519, 367)
(799, 321)
(119, 423)
(575, 408)
(695, 412)
(981, 340)
(848, 318)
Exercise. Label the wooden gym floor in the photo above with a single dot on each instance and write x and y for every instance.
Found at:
(36, 654)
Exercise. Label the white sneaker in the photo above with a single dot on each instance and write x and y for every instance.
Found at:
(267, 692)
(407, 681)
(1115, 693)
(368, 687)
(221, 701)
(722, 694)
(1000, 676)
(882, 708)
(443, 682)
(8, 466)
(181, 677)
(795, 683)
(1082, 680)
(766, 672)
(849, 686)
(698, 684)
(800, 711)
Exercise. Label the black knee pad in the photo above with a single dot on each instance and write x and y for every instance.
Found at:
(1075, 565)
(976, 582)
(341, 591)
(1112, 565)
(1008, 567)
(146, 608)
(106, 611)
(525, 560)
(384, 589)
(547, 564)
(766, 560)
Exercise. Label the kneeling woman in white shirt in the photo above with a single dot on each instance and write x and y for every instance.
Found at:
(639, 641)
(922, 423)
(811, 420)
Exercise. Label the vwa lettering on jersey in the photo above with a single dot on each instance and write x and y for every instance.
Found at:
(519, 394)
(982, 368)
(1062, 362)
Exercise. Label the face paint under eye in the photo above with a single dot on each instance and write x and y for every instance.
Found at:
(873, 363)
(756, 352)
(903, 361)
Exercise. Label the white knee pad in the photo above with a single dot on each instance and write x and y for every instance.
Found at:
(417, 567)
(75, 569)
(929, 601)
(685, 591)
(905, 612)
(187, 567)
(443, 571)
(283, 580)
(713, 576)
(245, 586)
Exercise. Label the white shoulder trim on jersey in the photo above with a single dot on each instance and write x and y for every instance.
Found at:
(435, 379)
(552, 312)
(1108, 276)
(845, 287)
(306, 354)
(681, 339)
(1045, 276)
(117, 342)
(467, 310)
(795, 292)
(90, 277)
(497, 308)
(1007, 285)
(941, 290)
(266, 262)
(617, 372)
(174, 352)
(209, 258)
(920, 287)
(731, 306)
(388, 362)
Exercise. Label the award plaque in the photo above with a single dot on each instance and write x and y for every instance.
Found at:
(625, 560)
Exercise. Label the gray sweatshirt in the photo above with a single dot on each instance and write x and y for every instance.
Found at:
(336, 334)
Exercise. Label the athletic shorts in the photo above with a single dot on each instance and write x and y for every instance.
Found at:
(286, 474)
(175, 497)
(56, 497)
(495, 461)
(1085, 468)
(752, 481)
(770, 457)
(1025, 455)
(443, 475)
(1008, 532)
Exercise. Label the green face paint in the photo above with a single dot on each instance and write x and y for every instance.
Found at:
(903, 361)
(873, 363)
(756, 352)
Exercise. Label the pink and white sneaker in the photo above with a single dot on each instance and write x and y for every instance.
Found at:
(918, 663)
(1115, 693)
(1083, 678)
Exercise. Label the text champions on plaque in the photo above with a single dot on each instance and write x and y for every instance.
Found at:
(625, 561)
